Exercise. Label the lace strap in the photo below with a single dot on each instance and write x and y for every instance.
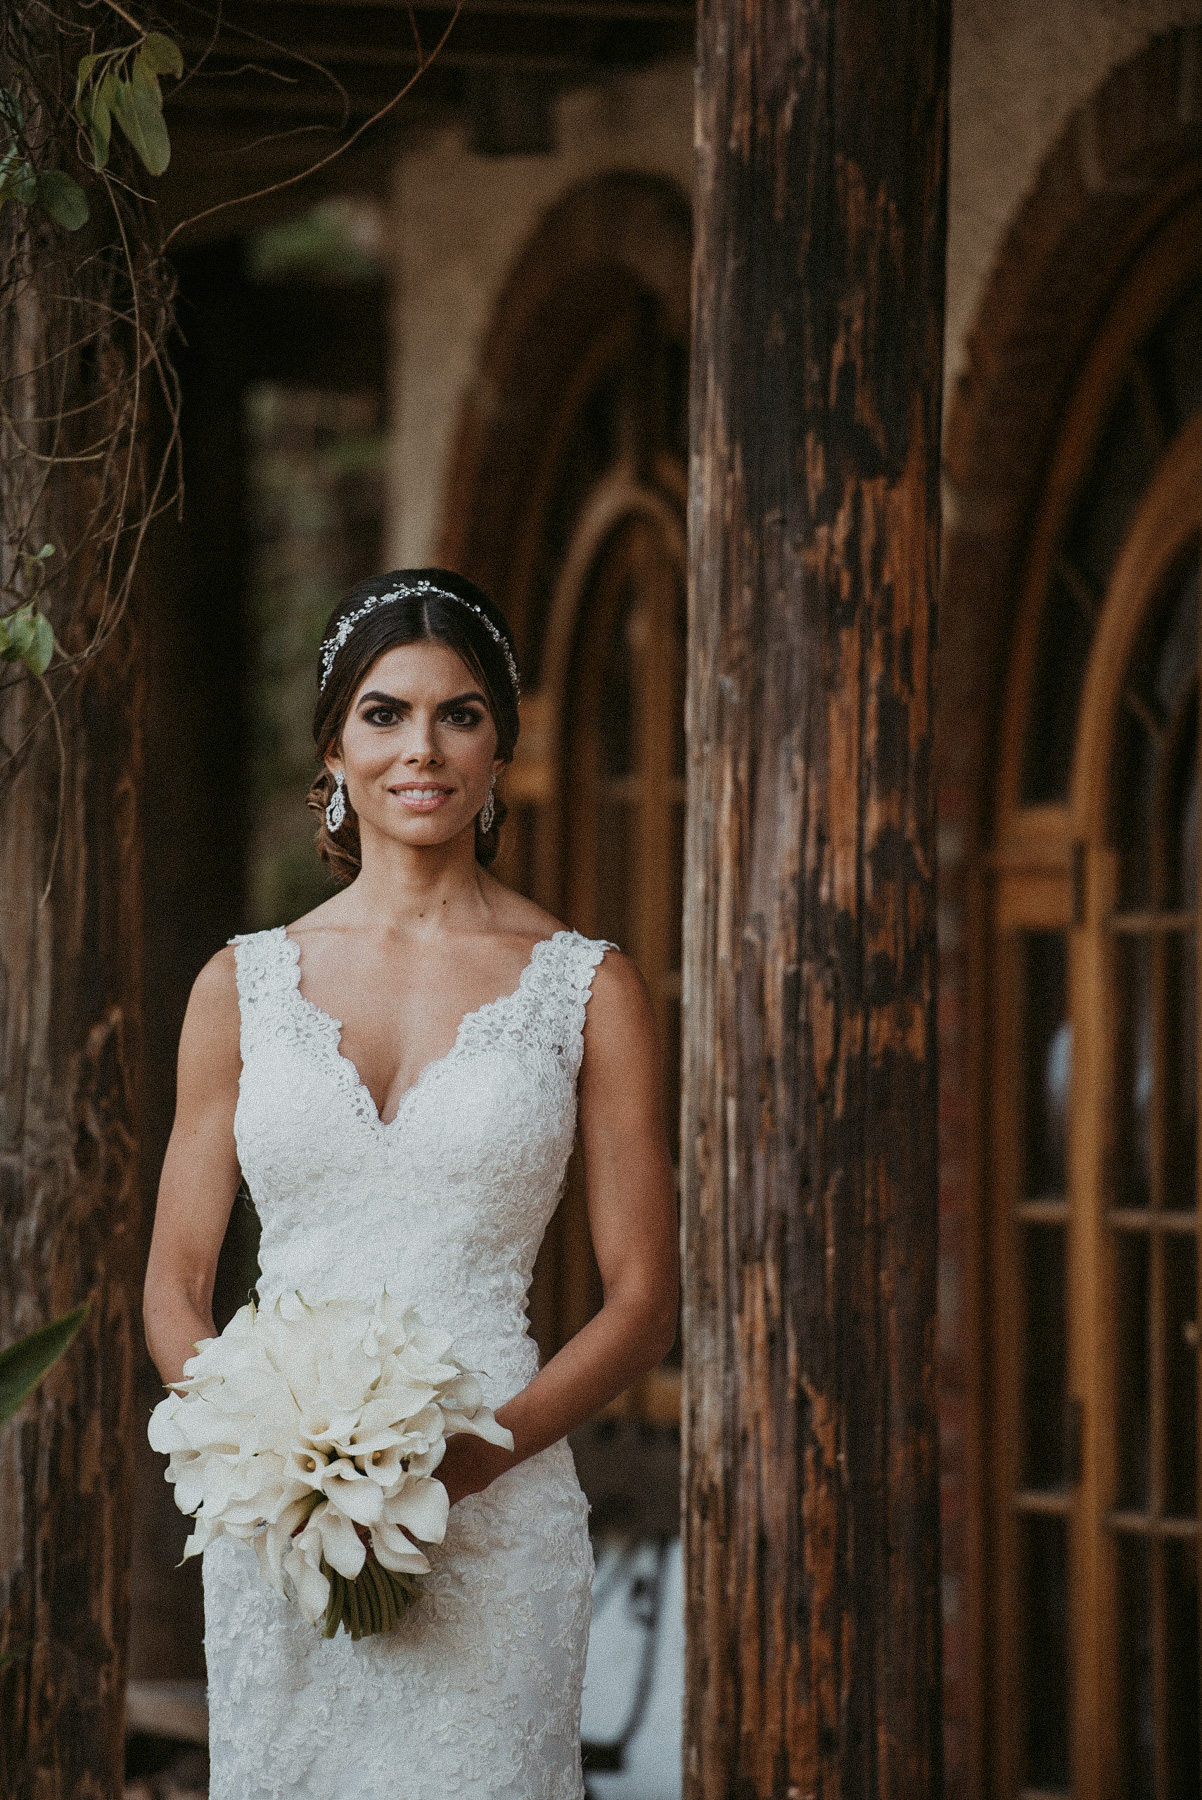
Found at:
(268, 969)
(571, 961)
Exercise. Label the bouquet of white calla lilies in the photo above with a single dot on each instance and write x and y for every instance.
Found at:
(314, 1431)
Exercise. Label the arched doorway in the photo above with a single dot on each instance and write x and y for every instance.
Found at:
(1091, 1123)
(567, 500)
(1082, 371)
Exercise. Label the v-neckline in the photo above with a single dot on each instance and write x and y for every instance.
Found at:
(332, 1031)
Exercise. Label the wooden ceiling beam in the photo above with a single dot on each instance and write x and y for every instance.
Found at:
(333, 56)
(643, 12)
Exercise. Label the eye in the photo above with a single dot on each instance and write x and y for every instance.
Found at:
(380, 715)
(464, 716)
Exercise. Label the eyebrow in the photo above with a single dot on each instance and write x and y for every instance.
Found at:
(377, 698)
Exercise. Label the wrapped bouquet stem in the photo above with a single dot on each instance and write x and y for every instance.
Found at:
(314, 1432)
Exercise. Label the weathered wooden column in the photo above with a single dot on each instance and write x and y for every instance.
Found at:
(69, 1017)
(70, 970)
(808, 1144)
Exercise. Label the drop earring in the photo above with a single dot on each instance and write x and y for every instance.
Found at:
(488, 811)
(336, 804)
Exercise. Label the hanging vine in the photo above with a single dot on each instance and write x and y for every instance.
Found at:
(87, 385)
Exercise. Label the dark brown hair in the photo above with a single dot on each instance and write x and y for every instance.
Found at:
(440, 612)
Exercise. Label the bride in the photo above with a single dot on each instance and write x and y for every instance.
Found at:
(395, 1075)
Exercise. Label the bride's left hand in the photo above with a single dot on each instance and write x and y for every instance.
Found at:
(470, 1464)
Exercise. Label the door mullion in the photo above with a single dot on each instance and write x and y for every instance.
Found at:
(1158, 1448)
(1197, 902)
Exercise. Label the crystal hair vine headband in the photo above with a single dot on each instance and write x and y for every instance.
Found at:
(348, 622)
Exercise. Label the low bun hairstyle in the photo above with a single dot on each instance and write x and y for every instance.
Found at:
(431, 606)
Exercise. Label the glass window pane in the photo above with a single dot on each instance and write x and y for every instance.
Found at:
(1065, 638)
(1179, 353)
(1133, 1075)
(1181, 1375)
(615, 836)
(1181, 1670)
(1133, 800)
(1182, 823)
(1047, 1045)
(1180, 1071)
(1154, 772)
(1168, 666)
(1137, 1719)
(1044, 1356)
(1131, 1370)
(615, 713)
(1044, 1651)
(1122, 467)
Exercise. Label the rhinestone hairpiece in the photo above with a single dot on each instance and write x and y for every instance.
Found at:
(348, 622)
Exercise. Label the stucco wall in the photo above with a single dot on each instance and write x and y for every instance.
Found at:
(1020, 68)
(459, 223)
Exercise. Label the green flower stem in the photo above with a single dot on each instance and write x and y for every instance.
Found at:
(353, 1621)
(369, 1605)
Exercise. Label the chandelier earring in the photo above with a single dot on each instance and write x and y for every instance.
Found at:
(488, 811)
(336, 805)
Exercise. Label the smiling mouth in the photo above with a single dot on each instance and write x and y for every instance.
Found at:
(422, 796)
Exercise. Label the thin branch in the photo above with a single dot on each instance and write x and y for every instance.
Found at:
(291, 180)
(62, 787)
(121, 13)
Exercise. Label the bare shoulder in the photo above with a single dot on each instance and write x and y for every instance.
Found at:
(212, 1023)
(620, 1009)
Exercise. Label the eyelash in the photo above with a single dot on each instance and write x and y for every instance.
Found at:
(467, 715)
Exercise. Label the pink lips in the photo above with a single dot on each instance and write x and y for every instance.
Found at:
(422, 799)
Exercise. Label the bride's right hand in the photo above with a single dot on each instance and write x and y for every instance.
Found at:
(470, 1464)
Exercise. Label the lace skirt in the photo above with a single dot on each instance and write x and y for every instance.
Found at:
(476, 1692)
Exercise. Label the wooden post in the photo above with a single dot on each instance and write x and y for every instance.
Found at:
(808, 1130)
(70, 967)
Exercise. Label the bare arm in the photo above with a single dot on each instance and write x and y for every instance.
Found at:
(200, 1174)
(632, 1220)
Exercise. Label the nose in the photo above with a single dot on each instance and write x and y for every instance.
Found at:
(421, 748)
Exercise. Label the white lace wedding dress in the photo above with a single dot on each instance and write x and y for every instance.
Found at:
(477, 1691)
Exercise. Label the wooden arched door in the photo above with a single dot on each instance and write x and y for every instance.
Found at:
(1093, 1304)
(569, 505)
(625, 757)
(1134, 1156)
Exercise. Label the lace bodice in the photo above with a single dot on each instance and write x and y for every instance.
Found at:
(476, 1693)
(447, 1202)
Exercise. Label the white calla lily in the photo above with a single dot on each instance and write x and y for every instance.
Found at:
(308, 1428)
(420, 1506)
(311, 1586)
(397, 1552)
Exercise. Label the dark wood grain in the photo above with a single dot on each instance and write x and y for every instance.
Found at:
(69, 1031)
(808, 1136)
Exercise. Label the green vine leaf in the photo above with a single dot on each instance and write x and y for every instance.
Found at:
(86, 65)
(137, 108)
(17, 178)
(63, 199)
(133, 99)
(159, 56)
(93, 108)
(27, 636)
